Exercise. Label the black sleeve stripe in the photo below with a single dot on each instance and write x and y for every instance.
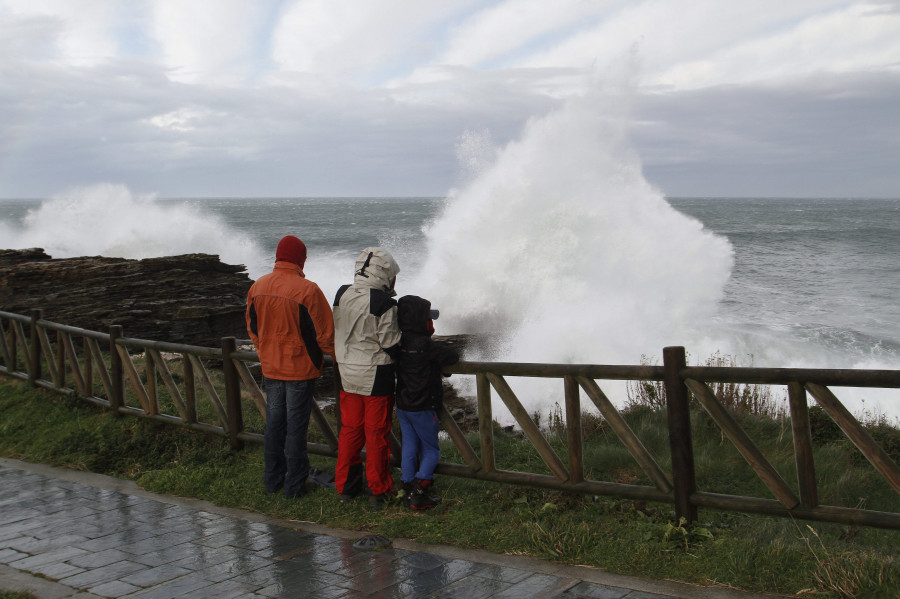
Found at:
(310, 339)
(385, 380)
(393, 351)
(253, 326)
(340, 292)
(380, 302)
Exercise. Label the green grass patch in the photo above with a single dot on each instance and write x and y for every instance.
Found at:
(750, 552)
(39, 426)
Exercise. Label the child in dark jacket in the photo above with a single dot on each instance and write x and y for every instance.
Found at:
(419, 396)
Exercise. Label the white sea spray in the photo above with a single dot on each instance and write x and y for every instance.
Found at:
(563, 250)
(109, 220)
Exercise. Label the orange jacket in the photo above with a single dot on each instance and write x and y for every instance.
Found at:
(290, 322)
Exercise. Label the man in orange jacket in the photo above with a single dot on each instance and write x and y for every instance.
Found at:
(290, 322)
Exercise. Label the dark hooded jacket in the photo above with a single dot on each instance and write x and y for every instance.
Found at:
(419, 385)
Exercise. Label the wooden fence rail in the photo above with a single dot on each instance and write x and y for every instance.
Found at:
(72, 361)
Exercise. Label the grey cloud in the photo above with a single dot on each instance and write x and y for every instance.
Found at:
(65, 127)
(78, 127)
(819, 136)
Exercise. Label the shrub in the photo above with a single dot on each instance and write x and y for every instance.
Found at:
(822, 428)
(740, 398)
(888, 437)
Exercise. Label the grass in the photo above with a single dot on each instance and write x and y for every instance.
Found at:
(749, 552)
(16, 595)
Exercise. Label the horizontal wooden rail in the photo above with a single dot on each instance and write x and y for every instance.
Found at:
(136, 378)
(709, 374)
(11, 316)
(784, 376)
(593, 371)
(52, 326)
(772, 507)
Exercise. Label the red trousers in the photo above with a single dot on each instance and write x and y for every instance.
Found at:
(365, 421)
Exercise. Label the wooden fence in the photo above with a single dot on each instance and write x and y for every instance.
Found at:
(72, 361)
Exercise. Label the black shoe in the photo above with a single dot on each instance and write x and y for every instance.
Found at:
(345, 498)
(322, 479)
(377, 501)
(421, 499)
(305, 489)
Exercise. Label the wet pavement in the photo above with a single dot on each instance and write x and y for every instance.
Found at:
(81, 535)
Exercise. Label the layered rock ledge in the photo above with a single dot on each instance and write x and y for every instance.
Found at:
(193, 298)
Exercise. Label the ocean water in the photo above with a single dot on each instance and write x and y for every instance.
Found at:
(559, 250)
(824, 273)
(813, 282)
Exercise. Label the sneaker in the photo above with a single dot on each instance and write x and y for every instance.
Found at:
(421, 499)
(345, 498)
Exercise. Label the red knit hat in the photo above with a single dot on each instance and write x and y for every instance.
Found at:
(291, 249)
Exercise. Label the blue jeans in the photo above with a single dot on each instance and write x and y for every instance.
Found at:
(288, 406)
(420, 452)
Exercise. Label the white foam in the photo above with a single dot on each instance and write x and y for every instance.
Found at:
(562, 244)
(563, 251)
(109, 220)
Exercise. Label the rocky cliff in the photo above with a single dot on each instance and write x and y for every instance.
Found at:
(193, 299)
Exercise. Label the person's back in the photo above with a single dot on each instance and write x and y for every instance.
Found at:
(282, 326)
(365, 322)
(419, 378)
(419, 397)
(290, 323)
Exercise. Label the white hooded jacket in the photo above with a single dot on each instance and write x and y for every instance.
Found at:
(366, 331)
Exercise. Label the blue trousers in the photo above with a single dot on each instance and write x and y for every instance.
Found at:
(288, 406)
(420, 450)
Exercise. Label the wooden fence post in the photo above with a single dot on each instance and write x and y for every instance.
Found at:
(116, 377)
(573, 430)
(680, 439)
(803, 449)
(88, 367)
(60, 381)
(34, 356)
(485, 423)
(190, 389)
(13, 365)
(232, 393)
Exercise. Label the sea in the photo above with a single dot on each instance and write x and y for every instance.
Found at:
(808, 282)
(556, 248)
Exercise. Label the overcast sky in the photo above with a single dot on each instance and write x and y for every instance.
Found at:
(369, 98)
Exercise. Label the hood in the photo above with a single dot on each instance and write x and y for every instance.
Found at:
(376, 268)
(414, 314)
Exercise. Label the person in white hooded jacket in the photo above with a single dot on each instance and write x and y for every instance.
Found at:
(367, 340)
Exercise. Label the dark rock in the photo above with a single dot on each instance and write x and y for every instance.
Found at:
(11, 257)
(463, 410)
(193, 299)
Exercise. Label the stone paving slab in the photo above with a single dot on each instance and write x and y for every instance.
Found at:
(89, 536)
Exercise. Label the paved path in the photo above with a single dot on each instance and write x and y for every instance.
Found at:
(82, 535)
